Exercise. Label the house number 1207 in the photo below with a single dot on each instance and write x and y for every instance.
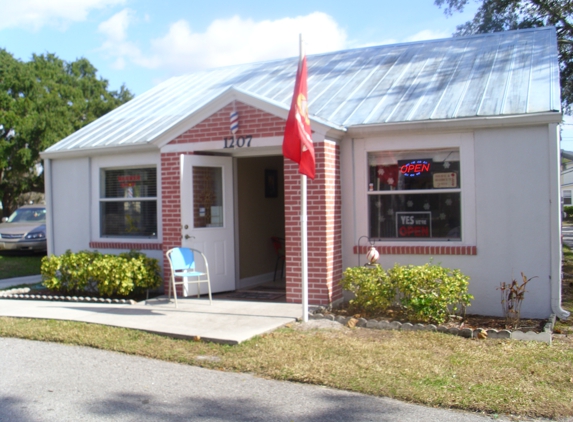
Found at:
(240, 142)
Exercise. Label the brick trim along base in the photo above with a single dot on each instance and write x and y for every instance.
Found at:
(126, 245)
(419, 250)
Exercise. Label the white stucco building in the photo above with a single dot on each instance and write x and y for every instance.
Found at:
(444, 150)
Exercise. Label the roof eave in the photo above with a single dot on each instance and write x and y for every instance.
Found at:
(97, 151)
(235, 94)
(469, 123)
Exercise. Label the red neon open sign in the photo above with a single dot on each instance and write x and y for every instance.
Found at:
(415, 168)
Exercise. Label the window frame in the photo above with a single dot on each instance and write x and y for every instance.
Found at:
(103, 199)
(411, 142)
(435, 191)
(122, 162)
(570, 197)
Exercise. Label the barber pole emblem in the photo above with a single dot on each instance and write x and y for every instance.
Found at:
(234, 122)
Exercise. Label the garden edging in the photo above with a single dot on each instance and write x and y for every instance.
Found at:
(479, 333)
(23, 293)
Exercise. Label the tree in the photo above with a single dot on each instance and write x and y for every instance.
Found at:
(503, 15)
(41, 102)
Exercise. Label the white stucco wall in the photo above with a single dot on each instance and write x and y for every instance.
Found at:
(70, 204)
(513, 218)
(74, 201)
(508, 218)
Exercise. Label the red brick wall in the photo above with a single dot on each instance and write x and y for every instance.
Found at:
(125, 245)
(324, 218)
(252, 121)
(324, 228)
(419, 250)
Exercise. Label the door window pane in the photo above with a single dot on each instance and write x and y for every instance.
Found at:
(207, 197)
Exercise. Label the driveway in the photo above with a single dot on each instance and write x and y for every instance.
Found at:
(567, 233)
(52, 382)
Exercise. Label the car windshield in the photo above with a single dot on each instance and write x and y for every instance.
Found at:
(28, 215)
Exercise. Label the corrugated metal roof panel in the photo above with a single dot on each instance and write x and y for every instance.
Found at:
(506, 73)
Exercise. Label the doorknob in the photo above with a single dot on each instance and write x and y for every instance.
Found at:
(189, 237)
(186, 227)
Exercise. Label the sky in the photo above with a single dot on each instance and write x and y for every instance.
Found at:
(140, 43)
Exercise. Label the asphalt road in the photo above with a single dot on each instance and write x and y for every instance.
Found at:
(52, 382)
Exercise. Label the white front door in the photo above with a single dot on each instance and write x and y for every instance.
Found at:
(207, 216)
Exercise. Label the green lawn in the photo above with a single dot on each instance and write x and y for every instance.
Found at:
(522, 379)
(12, 265)
(525, 379)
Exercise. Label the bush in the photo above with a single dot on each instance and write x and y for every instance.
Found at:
(568, 211)
(103, 275)
(425, 293)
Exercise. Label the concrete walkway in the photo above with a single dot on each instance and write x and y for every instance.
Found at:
(9, 282)
(225, 321)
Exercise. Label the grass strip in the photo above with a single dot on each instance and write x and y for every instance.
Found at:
(19, 265)
(493, 376)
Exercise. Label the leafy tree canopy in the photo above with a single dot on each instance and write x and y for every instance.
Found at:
(41, 102)
(503, 15)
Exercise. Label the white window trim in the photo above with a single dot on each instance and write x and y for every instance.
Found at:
(405, 142)
(131, 161)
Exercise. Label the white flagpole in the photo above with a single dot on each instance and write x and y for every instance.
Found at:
(303, 224)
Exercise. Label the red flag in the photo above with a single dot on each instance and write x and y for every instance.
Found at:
(297, 143)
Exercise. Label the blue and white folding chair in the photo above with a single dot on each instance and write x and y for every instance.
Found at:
(182, 262)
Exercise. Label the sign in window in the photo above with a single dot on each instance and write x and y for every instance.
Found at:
(414, 195)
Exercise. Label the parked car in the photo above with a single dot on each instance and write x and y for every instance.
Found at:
(25, 229)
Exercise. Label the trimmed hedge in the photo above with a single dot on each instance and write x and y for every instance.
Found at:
(90, 272)
(424, 293)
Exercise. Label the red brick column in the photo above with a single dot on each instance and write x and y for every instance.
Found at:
(170, 207)
(324, 228)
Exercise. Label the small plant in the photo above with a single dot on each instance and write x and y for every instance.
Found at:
(512, 295)
(424, 293)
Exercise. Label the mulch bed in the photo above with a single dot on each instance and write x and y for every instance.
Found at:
(468, 321)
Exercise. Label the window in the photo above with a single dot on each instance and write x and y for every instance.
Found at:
(128, 203)
(207, 197)
(567, 197)
(415, 195)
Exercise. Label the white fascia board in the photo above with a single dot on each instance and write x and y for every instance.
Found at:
(460, 124)
(99, 151)
(234, 94)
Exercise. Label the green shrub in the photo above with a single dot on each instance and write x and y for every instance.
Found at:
(69, 272)
(373, 290)
(568, 211)
(149, 274)
(425, 293)
(90, 272)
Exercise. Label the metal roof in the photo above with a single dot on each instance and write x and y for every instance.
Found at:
(504, 73)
